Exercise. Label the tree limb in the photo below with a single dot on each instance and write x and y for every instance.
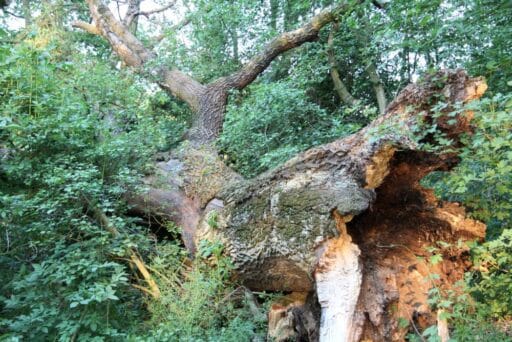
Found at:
(284, 42)
(13, 14)
(207, 101)
(134, 11)
(371, 69)
(157, 10)
(135, 258)
(174, 28)
(131, 20)
(91, 28)
(378, 87)
(135, 54)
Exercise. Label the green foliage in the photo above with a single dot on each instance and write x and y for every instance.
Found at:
(483, 179)
(75, 134)
(492, 282)
(273, 123)
(73, 138)
(198, 300)
(483, 183)
(486, 28)
(468, 319)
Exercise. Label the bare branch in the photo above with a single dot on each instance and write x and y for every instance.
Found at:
(174, 28)
(157, 10)
(379, 4)
(286, 41)
(134, 11)
(130, 20)
(91, 28)
(135, 54)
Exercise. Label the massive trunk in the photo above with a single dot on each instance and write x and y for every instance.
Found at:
(347, 220)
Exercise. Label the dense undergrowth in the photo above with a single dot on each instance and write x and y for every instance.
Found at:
(75, 138)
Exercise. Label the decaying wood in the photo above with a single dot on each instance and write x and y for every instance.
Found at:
(280, 230)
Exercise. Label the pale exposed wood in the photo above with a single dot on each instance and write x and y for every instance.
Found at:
(442, 326)
(338, 283)
(90, 28)
(135, 259)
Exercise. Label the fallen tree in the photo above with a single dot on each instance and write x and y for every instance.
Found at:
(347, 220)
(343, 223)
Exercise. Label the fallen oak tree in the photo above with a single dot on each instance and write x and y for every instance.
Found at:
(345, 220)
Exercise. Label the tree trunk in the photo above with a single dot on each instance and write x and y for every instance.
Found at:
(27, 12)
(339, 86)
(378, 87)
(131, 19)
(347, 220)
(207, 101)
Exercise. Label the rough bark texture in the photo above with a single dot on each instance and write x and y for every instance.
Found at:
(207, 101)
(286, 228)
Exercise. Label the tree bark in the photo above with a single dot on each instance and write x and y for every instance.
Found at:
(208, 101)
(378, 87)
(345, 220)
(371, 68)
(131, 19)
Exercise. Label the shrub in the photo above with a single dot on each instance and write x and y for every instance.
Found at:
(273, 123)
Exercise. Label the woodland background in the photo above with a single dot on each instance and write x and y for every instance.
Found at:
(78, 130)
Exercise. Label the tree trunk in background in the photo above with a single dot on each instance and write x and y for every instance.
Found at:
(339, 86)
(274, 14)
(378, 87)
(27, 12)
(348, 219)
(131, 19)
